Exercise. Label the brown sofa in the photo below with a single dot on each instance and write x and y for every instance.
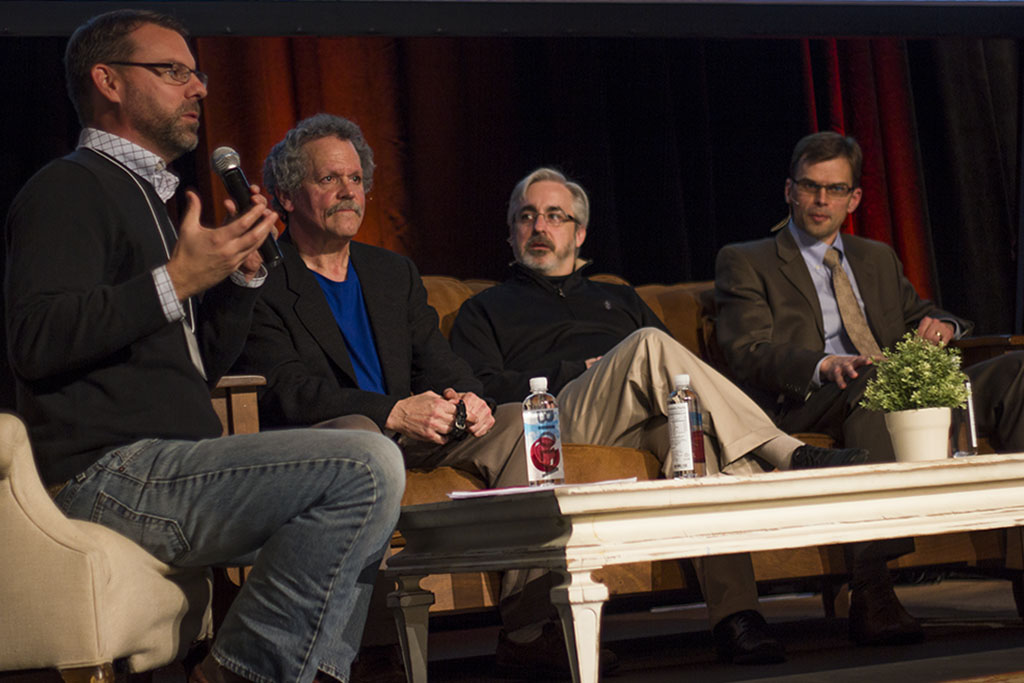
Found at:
(688, 311)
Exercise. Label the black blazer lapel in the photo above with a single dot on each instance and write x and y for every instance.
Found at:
(386, 305)
(311, 309)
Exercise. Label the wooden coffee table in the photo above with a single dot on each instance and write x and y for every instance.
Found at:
(575, 530)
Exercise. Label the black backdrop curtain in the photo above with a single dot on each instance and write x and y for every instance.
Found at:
(967, 101)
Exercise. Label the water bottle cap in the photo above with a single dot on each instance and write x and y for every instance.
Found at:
(538, 384)
(681, 381)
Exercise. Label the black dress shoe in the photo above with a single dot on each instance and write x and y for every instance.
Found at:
(545, 656)
(878, 618)
(743, 638)
(807, 457)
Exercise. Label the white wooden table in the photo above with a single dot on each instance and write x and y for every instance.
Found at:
(578, 529)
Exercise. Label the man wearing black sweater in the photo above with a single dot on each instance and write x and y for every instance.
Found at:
(118, 325)
(611, 362)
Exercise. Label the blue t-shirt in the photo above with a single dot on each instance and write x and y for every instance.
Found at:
(349, 309)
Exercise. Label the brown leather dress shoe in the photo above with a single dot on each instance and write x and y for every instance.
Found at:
(878, 618)
(544, 657)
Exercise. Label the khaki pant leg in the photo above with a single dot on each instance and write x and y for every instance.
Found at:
(625, 394)
(498, 457)
(622, 400)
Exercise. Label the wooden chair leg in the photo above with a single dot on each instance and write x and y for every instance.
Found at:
(104, 673)
(835, 597)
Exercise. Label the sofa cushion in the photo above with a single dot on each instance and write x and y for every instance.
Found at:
(446, 295)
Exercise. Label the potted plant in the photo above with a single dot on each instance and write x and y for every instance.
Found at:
(916, 385)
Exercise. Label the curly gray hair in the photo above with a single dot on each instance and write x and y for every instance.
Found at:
(288, 164)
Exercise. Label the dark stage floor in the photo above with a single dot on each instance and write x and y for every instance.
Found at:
(973, 632)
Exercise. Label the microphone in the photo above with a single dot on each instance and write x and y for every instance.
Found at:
(226, 163)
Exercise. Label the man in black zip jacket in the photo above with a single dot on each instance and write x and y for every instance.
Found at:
(611, 361)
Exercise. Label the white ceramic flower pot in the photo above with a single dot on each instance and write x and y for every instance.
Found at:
(921, 434)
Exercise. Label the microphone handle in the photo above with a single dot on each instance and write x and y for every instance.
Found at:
(238, 187)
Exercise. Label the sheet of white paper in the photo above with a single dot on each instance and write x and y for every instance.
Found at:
(458, 495)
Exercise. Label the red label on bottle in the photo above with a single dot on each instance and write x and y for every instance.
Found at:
(697, 439)
(544, 453)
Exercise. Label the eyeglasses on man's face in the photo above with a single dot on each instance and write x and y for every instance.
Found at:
(833, 191)
(172, 72)
(553, 218)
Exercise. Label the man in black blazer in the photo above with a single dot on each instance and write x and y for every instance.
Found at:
(782, 333)
(345, 337)
(344, 328)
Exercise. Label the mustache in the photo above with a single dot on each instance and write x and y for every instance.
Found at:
(345, 205)
(540, 241)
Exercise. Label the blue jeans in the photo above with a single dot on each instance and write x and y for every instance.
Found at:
(311, 509)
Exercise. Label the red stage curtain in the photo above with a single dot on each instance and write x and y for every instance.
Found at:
(437, 111)
(862, 88)
(264, 86)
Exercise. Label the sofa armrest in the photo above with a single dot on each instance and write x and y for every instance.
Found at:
(977, 349)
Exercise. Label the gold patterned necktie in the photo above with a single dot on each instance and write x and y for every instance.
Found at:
(849, 310)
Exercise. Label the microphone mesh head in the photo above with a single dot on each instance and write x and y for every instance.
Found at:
(224, 159)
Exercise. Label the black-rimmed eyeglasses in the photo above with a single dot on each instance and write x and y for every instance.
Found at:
(174, 71)
(833, 191)
(554, 218)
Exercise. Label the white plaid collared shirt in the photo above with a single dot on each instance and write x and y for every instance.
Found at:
(152, 169)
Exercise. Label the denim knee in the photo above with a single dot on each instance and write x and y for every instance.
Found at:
(390, 468)
(384, 465)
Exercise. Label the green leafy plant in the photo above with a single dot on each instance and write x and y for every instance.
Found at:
(916, 374)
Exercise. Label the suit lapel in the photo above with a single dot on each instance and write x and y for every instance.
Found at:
(387, 318)
(794, 269)
(311, 308)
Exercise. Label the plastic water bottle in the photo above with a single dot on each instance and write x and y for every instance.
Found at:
(541, 435)
(965, 433)
(685, 431)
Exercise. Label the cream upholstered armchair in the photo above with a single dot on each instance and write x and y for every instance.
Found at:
(76, 596)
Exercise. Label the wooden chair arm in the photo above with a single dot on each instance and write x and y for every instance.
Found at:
(234, 401)
(233, 381)
(976, 349)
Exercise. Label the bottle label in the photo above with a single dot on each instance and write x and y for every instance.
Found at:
(543, 445)
(680, 442)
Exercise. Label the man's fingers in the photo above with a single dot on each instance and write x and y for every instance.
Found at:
(480, 428)
(193, 208)
(936, 331)
(840, 368)
(476, 408)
